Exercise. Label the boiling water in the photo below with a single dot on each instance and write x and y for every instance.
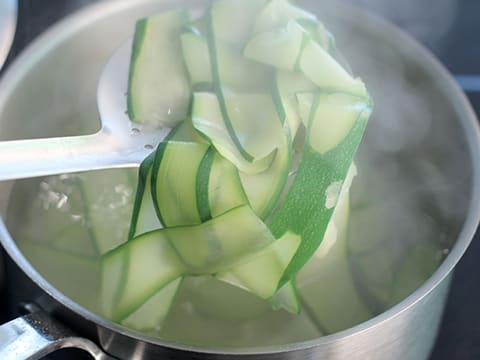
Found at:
(408, 201)
(64, 223)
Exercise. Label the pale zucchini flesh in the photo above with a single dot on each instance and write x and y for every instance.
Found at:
(267, 72)
(174, 182)
(277, 13)
(221, 242)
(225, 190)
(197, 58)
(208, 119)
(152, 71)
(160, 256)
(185, 132)
(234, 20)
(280, 47)
(150, 316)
(135, 271)
(322, 69)
(263, 272)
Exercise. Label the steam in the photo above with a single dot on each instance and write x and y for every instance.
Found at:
(412, 191)
(427, 20)
(414, 141)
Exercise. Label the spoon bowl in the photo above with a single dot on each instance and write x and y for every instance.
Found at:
(118, 143)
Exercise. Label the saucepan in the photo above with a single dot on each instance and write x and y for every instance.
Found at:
(8, 22)
(418, 176)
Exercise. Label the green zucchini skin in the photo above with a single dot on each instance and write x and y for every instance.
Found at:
(144, 215)
(202, 185)
(306, 210)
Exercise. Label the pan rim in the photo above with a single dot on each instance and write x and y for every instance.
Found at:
(466, 117)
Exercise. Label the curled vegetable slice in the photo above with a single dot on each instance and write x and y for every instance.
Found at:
(310, 203)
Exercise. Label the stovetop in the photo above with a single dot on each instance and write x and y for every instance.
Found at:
(449, 28)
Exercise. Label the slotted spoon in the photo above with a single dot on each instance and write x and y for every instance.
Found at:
(119, 142)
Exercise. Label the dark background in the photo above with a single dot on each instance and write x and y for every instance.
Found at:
(452, 35)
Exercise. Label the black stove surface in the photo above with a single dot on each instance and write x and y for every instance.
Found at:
(450, 29)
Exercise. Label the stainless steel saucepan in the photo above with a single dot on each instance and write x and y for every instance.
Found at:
(8, 23)
(422, 144)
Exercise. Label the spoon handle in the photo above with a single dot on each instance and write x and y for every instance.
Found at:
(52, 156)
(35, 335)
